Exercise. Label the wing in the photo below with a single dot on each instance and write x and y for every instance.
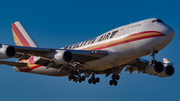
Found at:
(26, 52)
(47, 55)
(151, 67)
(137, 64)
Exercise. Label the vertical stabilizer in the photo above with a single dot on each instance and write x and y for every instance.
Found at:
(21, 37)
(165, 60)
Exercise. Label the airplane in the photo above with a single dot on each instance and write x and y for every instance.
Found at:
(109, 53)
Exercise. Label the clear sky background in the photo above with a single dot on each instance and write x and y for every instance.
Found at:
(58, 23)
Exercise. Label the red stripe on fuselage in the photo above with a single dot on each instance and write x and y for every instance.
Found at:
(130, 40)
(126, 41)
(19, 35)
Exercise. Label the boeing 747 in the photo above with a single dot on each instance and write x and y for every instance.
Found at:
(109, 53)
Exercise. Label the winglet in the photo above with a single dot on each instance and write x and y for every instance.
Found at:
(21, 37)
(165, 60)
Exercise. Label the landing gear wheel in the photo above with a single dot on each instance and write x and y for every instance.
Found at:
(97, 80)
(90, 81)
(113, 77)
(111, 82)
(69, 77)
(75, 79)
(115, 83)
(83, 78)
(117, 77)
(80, 81)
(79, 78)
(94, 82)
(76, 72)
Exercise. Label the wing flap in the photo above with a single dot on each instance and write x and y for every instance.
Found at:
(88, 55)
(31, 50)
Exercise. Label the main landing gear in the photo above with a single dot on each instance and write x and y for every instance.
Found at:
(114, 80)
(93, 79)
(75, 78)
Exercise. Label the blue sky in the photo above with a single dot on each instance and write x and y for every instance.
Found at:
(58, 23)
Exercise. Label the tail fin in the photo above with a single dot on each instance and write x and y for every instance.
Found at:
(21, 37)
(165, 60)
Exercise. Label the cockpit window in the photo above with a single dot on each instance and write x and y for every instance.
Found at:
(157, 21)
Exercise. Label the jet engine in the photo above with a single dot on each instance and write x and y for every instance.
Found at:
(168, 71)
(7, 52)
(62, 56)
(154, 69)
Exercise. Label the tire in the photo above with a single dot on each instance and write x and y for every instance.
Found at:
(115, 83)
(83, 78)
(76, 72)
(69, 77)
(111, 82)
(97, 80)
(75, 80)
(90, 81)
(93, 78)
(113, 77)
(117, 77)
(79, 78)
(80, 81)
(94, 82)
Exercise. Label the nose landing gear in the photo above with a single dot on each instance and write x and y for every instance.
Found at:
(153, 53)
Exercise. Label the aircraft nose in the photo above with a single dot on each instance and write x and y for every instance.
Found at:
(170, 33)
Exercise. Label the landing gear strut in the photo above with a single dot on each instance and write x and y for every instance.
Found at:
(159, 65)
(93, 79)
(114, 80)
(153, 53)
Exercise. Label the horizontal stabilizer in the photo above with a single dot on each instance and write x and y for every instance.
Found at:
(17, 64)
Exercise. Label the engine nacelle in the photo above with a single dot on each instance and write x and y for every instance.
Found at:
(168, 71)
(154, 69)
(7, 52)
(62, 56)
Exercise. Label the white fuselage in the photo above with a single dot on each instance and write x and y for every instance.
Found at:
(131, 41)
